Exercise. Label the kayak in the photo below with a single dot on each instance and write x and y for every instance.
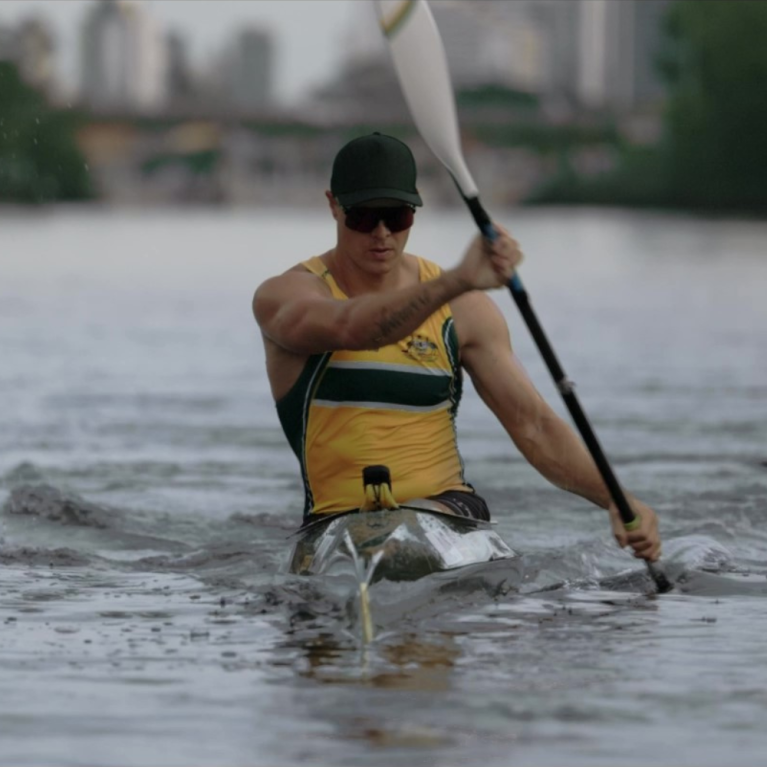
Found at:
(400, 544)
(384, 542)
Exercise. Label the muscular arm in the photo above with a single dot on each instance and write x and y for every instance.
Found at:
(297, 312)
(545, 440)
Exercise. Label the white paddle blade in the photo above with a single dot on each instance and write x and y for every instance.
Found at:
(421, 66)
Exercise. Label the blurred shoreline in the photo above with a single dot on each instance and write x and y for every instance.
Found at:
(18, 211)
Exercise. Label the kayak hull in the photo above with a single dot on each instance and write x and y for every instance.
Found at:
(402, 544)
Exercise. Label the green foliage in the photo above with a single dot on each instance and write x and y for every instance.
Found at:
(202, 163)
(639, 181)
(715, 61)
(496, 96)
(547, 138)
(713, 154)
(39, 159)
(292, 128)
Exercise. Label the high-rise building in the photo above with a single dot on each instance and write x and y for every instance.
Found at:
(6, 43)
(648, 86)
(248, 70)
(180, 80)
(492, 43)
(598, 54)
(124, 58)
(36, 49)
(486, 42)
(618, 45)
(31, 47)
(557, 22)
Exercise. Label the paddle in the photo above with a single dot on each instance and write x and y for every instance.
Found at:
(421, 66)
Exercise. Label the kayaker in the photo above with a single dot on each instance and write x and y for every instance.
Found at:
(365, 347)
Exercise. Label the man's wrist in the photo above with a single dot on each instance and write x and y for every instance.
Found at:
(455, 283)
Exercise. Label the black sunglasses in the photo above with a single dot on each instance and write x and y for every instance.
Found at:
(365, 220)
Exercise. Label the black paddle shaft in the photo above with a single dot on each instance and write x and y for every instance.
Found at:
(566, 389)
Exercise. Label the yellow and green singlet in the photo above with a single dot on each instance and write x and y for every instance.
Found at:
(395, 406)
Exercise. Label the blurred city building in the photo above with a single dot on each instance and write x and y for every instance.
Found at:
(597, 54)
(130, 66)
(31, 47)
(492, 43)
(163, 128)
(181, 85)
(618, 45)
(570, 55)
(248, 70)
(124, 59)
(487, 44)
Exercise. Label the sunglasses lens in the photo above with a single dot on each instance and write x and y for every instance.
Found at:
(361, 219)
(399, 219)
(366, 219)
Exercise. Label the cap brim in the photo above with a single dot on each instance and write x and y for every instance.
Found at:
(366, 195)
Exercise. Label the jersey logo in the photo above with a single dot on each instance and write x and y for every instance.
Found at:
(420, 348)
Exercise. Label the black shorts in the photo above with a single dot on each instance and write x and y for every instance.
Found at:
(464, 503)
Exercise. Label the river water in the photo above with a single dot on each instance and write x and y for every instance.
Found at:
(148, 496)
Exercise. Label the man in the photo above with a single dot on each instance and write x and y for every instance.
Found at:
(365, 345)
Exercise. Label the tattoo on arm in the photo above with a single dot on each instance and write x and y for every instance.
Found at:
(391, 322)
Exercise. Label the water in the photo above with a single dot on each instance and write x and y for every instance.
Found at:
(148, 496)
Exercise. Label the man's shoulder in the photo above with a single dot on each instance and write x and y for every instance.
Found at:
(472, 302)
(314, 265)
(477, 317)
(300, 267)
(426, 269)
(296, 278)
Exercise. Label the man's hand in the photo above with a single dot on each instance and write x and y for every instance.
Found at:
(645, 539)
(486, 264)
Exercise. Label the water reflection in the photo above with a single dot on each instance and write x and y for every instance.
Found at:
(413, 664)
(402, 662)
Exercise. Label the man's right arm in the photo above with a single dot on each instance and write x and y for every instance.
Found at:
(297, 312)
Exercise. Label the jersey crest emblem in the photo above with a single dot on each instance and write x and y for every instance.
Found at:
(420, 348)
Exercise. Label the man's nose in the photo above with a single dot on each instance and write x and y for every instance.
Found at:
(381, 230)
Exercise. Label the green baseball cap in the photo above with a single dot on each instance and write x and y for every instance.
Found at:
(374, 167)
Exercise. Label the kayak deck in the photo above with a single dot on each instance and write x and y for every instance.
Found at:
(401, 544)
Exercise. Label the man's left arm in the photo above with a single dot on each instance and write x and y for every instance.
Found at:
(545, 440)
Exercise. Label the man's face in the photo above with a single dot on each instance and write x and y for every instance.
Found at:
(379, 249)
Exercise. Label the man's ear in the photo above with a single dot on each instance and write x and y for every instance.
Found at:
(334, 207)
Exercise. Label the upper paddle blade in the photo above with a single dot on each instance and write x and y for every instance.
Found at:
(421, 66)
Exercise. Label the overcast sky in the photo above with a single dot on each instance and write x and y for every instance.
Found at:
(310, 35)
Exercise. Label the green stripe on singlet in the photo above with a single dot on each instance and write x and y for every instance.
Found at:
(293, 412)
(385, 384)
(450, 339)
(293, 408)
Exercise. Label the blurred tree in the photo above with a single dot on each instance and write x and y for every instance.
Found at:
(39, 158)
(715, 62)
